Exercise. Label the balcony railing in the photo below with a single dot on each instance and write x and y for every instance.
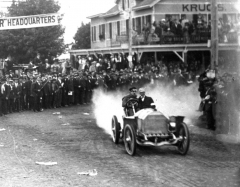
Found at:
(170, 39)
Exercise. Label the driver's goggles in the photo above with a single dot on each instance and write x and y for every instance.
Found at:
(134, 91)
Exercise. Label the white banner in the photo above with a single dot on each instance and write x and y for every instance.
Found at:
(22, 22)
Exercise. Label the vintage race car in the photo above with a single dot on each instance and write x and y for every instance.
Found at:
(149, 127)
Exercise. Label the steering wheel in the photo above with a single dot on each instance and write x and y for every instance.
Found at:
(132, 103)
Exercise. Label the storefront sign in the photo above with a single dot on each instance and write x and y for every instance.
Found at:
(200, 8)
(43, 20)
(193, 8)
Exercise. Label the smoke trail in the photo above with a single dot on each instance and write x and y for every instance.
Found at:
(107, 104)
(178, 101)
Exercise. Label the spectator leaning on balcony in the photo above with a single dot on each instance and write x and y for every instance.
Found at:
(173, 27)
(184, 20)
(146, 31)
(157, 30)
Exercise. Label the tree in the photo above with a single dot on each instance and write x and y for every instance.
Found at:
(82, 37)
(23, 44)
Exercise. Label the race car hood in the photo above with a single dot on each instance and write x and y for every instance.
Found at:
(142, 114)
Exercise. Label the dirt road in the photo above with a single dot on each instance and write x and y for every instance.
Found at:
(77, 144)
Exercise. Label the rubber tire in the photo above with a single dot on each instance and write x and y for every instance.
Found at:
(183, 147)
(132, 149)
(116, 133)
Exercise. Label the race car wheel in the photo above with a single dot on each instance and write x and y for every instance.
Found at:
(115, 130)
(184, 144)
(130, 139)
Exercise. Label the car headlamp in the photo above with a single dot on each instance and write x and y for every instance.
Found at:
(173, 124)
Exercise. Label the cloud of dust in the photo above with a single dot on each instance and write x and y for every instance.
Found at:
(171, 101)
(106, 105)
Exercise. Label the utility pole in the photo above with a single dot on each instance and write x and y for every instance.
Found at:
(214, 35)
(130, 35)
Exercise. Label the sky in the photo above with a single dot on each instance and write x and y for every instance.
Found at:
(75, 12)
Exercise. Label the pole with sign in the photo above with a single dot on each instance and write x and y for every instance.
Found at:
(130, 36)
(214, 36)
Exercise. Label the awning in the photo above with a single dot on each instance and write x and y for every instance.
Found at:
(146, 4)
(153, 48)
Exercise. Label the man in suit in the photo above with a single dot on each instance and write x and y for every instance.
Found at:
(5, 91)
(145, 101)
(50, 92)
(17, 88)
(76, 81)
(37, 94)
(70, 90)
(12, 97)
(132, 96)
(29, 96)
(55, 89)
(1, 96)
(60, 91)
(65, 91)
(82, 88)
(23, 96)
(209, 102)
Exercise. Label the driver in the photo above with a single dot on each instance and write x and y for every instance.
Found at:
(132, 95)
(145, 101)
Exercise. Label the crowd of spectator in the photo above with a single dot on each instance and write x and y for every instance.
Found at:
(189, 30)
(44, 86)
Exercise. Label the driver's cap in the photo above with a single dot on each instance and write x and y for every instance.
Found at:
(132, 88)
(141, 90)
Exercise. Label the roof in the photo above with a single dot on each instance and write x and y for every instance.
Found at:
(95, 16)
(146, 4)
(112, 12)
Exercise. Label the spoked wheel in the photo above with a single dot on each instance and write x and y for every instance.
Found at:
(115, 130)
(130, 139)
(183, 145)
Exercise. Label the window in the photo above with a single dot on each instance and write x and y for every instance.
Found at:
(127, 27)
(123, 4)
(134, 24)
(138, 25)
(102, 32)
(123, 28)
(92, 34)
(118, 28)
(110, 30)
(149, 20)
(95, 33)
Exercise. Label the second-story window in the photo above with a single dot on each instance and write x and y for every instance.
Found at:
(110, 30)
(92, 34)
(95, 33)
(127, 27)
(102, 32)
(123, 4)
(118, 28)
